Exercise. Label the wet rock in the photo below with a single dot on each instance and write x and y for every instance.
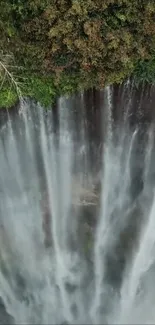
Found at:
(70, 288)
(5, 318)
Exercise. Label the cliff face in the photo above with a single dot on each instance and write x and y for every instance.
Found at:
(60, 46)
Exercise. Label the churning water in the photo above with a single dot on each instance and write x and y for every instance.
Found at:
(77, 219)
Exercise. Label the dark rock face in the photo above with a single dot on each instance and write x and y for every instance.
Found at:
(46, 223)
(5, 318)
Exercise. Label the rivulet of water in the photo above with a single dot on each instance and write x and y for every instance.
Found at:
(57, 266)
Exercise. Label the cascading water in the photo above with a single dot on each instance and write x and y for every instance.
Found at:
(71, 253)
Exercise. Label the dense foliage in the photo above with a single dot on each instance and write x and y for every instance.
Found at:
(67, 44)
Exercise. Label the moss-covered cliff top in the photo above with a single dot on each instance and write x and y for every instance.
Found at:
(58, 46)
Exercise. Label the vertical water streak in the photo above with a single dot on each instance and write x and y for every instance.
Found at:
(83, 142)
(50, 162)
(71, 260)
(104, 226)
(142, 261)
(128, 102)
(148, 153)
(65, 167)
(63, 261)
(29, 142)
(17, 228)
(108, 112)
(139, 108)
(127, 171)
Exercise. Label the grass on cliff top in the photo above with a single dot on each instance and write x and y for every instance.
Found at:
(45, 89)
(8, 97)
(41, 88)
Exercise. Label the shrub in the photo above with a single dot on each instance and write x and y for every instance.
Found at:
(92, 42)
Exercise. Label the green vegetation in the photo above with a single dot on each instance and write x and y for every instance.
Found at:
(145, 71)
(63, 45)
(42, 89)
(8, 97)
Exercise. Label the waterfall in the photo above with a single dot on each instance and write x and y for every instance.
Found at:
(78, 247)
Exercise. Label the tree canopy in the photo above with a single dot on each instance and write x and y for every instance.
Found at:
(78, 43)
